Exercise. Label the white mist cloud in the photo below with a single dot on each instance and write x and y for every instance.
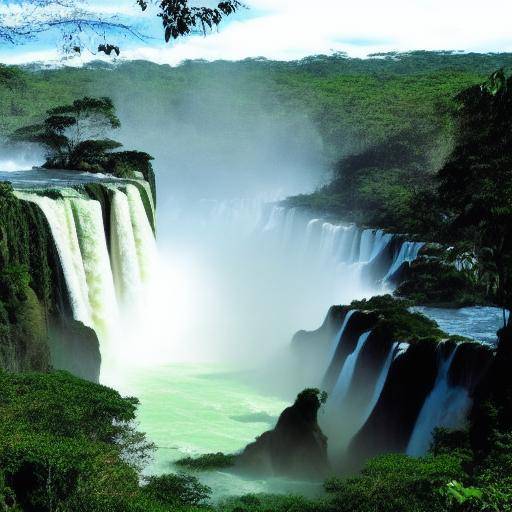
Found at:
(291, 29)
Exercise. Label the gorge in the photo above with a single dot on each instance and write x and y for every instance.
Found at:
(368, 301)
(103, 232)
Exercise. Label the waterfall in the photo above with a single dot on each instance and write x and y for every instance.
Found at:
(59, 214)
(324, 242)
(446, 406)
(345, 378)
(328, 240)
(288, 226)
(402, 348)
(408, 252)
(381, 380)
(367, 242)
(96, 263)
(275, 219)
(125, 263)
(96, 280)
(380, 242)
(345, 246)
(142, 233)
(356, 245)
(338, 337)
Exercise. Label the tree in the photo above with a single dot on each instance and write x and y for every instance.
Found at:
(475, 185)
(21, 21)
(73, 135)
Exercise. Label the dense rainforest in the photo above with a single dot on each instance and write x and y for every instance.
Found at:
(421, 147)
(352, 102)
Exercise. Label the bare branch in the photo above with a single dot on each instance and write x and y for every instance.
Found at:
(23, 20)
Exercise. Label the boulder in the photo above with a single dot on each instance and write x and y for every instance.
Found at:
(296, 447)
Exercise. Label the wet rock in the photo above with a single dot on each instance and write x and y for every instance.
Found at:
(296, 447)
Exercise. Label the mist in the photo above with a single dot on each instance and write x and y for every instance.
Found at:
(19, 158)
(227, 289)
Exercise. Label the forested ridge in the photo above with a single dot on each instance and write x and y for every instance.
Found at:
(352, 102)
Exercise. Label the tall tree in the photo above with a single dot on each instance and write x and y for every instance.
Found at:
(73, 135)
(476, 184)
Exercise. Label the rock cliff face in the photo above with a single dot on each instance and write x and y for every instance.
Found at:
(57, 289)
(296, 447)
(389, 373)
(30, 285)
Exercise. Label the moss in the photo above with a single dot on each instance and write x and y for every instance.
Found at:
(31, 288)
(430, 281)
(126, 164)
(207, 461)
(396, 322)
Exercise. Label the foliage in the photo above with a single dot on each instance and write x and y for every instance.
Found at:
(68, 444)
(461, 495)
(386, 185)
(207, 461)
(475, 184)
(432, 281)
(272, 503)
(396, 483)
(353, 103)
(397, 321)
(312, 394)
(454, 442)
(78, 22)
(180, 19)
(172, 490)
(29, 283)
(126, 164)
(71, 134)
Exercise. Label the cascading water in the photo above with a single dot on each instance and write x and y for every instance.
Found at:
(95, 258)
(338, 337)
(381, 380)
(345, 378)
(446, 406)
(59, 214)
(345, 247)
(94, 278)
(142, 233)
(408, 252)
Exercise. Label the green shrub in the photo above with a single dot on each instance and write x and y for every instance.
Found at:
(398, 321)
(273, 503)
(397, 483)
(207, 461)
(62, 439)
(171, 490)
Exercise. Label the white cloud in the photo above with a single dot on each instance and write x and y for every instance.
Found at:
(290, 29)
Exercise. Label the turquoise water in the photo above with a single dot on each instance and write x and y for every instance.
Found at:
(191, 409)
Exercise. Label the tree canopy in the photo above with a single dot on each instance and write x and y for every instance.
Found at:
(73, 135)
(475, 184)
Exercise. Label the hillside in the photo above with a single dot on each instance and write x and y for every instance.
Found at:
(351, 102)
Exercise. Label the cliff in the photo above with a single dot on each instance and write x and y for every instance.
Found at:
(57, 230)
(296, 446)
(382, 366)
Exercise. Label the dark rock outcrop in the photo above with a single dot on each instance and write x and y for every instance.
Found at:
(75, 348)
(295, 447)
(359, 322)
(410, 380)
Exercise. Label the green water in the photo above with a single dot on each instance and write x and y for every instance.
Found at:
(194, 409)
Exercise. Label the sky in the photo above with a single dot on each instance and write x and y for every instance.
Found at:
(292, 29)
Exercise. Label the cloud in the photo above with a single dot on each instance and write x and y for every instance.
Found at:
(291, 29)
